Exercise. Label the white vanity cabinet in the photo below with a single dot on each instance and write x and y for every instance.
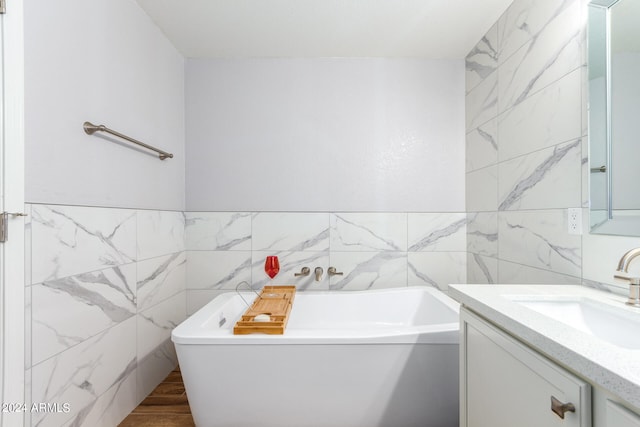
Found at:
(506, 384)
(618, 416)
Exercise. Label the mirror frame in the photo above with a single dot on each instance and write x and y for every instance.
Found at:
(603, 221)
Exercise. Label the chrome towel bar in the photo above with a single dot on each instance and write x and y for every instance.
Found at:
(90, 129)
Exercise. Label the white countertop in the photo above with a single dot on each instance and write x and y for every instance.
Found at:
(613, 368)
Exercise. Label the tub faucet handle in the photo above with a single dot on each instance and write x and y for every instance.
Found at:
(331, 271)
(318, 272)
(304, 272)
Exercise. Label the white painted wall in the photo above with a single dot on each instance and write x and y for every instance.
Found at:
(104, 62)
(330, 134)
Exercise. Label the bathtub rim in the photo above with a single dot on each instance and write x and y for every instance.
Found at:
(191, 331)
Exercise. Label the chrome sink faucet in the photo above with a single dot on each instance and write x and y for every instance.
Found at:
(634, 282)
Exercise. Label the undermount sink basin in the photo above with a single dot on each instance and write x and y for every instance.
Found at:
(617, 326)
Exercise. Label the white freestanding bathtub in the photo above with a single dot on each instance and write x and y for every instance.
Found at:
(381, 358)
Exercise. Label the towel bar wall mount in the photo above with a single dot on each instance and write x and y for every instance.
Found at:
(90, 129)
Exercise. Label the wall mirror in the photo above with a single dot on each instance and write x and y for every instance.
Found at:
(614, 116)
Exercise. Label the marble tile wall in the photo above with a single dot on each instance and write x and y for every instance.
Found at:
(104, 288)
(372, 250)
(525, 145)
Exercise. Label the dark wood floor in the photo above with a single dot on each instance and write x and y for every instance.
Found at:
(166, 406)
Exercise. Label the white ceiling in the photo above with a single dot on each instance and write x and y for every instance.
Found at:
(436, 29)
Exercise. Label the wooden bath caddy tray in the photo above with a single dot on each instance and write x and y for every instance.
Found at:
(276, 301)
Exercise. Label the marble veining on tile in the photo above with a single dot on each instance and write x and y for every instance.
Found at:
(369, 270)
(220, 231)
(101, 299)
(517, 191)
(539, 239)
(483, 59)
(422, 276)
(523, 20)
(482, 146)
(160, 278)
(480, 272)
(482, 233)
(437, 269)
(110, 408)
(482, 103)
(154, 366)
(368, 232)
(514, 273)
(532, 177)
(68, 240)
(516, 27)
(218, 269)
(93, 270)
(548, 55)
(287, 231)
(597, 285)
(154, 325)
(437, 232)
(586, 172)
(160, 233)
(313, 242)
(84, 372)
(549, 117)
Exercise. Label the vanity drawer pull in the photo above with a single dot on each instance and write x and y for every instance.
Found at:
(560, 408)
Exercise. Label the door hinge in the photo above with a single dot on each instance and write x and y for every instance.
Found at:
(3, 6)
(4, 224)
